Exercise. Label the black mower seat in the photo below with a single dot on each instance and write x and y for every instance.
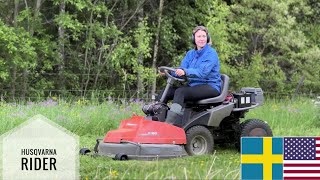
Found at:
(222, 96)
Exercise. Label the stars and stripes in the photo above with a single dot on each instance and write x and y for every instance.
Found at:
(301, 158)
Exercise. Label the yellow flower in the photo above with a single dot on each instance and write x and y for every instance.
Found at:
(202, 163)
(79, 102)
(275, 107)
(113, 173)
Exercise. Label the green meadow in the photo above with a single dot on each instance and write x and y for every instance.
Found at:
(90, 120)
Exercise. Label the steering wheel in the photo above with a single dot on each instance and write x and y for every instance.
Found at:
(166, 70)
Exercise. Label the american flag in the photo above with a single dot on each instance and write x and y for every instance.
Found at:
(301, 158)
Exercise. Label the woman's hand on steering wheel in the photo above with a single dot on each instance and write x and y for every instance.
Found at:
(173, 70)
(162, 73)
(180, 72)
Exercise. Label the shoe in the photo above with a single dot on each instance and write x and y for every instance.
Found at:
(174, 118)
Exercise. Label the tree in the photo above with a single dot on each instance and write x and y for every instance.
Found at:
(156, 47)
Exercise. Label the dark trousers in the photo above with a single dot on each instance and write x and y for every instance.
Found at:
(186, 93)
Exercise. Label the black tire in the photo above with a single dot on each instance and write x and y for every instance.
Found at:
(84, 151)
(199, 141)
(121, 157)
(255, 128)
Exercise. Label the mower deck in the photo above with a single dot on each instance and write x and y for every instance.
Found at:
(141, 151)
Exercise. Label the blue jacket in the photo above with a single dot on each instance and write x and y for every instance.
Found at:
(202, 67)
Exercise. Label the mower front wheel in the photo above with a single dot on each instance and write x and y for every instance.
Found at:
(199, 141)
(84, 151)
(121, 157)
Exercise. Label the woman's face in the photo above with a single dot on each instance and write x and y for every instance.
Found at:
(200, 39)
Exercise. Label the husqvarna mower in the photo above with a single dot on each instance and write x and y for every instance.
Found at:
(205, 123)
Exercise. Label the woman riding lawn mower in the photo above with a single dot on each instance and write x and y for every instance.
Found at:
(204, 123)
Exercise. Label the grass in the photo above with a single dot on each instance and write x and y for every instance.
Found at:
(298, 117)
(89, 120)
(223, 164)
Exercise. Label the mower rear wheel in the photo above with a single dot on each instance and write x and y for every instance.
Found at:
(255, 128)
(199, 141)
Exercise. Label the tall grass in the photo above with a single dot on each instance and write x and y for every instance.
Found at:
(81, 118)
(290, 117)
(89, 120)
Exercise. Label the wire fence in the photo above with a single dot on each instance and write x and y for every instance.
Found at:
(76, 93)
(119, 95)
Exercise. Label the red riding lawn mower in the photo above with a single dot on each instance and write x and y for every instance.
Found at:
(205, 123)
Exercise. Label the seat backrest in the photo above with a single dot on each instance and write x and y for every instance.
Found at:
(223, 94)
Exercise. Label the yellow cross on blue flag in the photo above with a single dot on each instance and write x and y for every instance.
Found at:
(274, 158)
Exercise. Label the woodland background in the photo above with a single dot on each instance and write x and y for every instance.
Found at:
(111, 48)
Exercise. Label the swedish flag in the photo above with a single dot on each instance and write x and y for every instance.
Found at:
(261, 158)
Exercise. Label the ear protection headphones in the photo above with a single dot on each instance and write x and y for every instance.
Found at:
(196, 29)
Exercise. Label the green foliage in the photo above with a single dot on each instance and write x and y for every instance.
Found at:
(264, 29)
(168, 35)
(250, 73)
(125, 57)
(70, 24)
(16, 47)
(96, 46)
(142, 38)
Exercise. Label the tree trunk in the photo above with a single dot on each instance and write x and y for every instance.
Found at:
(100, 64)
(35, 15)
(101, 51)
(24, 73)
(31, 31)
(100, 57)
(155, 49)
(140, 87)
(14, 66)
(299, 85)
(61, 66)
(86, 55)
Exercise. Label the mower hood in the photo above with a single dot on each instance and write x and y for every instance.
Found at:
(139, 130)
